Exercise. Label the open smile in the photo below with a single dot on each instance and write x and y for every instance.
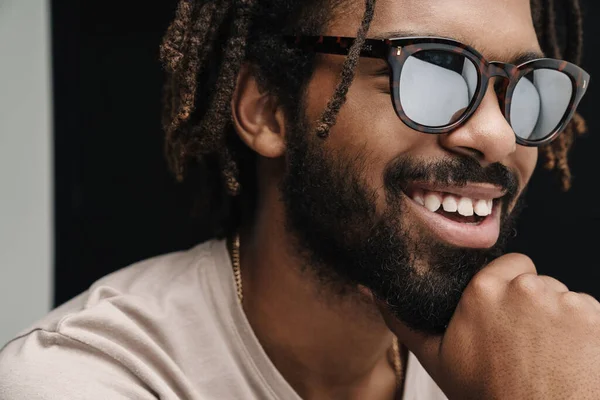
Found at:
(462, 216)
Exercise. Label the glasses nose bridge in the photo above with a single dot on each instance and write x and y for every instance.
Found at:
(504, 72)
(500, 69)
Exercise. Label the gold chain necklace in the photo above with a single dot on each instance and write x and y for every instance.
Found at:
(396, 359)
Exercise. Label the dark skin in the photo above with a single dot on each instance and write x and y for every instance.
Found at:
(487, 351)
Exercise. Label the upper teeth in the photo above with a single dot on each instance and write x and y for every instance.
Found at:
(452, 203)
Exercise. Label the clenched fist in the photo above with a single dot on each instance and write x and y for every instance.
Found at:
(514, 335)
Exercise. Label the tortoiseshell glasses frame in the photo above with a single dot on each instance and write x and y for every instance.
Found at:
(397, 50)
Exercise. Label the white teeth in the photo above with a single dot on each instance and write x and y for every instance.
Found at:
(433, 202)
(465, 207)
(418, 197)
(481, 208)
(450, 204)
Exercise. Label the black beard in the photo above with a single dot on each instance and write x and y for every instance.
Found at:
(331, 211)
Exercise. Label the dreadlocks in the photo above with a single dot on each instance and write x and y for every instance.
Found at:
(202, 76)
(556, 154)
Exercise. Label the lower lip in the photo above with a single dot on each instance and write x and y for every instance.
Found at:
(478, 236)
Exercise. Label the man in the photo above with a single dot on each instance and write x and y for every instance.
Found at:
(360, 192)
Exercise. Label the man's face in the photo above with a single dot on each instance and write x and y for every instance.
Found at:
(352, 200)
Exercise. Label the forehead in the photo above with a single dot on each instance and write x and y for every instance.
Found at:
(496, 28)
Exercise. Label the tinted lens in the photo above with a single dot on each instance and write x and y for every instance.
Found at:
(539, 102)
(437, 86)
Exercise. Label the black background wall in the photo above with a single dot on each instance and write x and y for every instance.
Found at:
(117, 204)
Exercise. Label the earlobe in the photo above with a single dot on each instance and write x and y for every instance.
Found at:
(257, 117)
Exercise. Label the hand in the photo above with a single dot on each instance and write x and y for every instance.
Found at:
(514, 335)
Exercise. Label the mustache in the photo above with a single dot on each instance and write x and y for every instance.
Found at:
(456, 171)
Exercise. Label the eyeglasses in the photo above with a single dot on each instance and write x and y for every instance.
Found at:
(437, 84)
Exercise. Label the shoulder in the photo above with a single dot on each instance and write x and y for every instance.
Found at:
(50, 366)
(114, 336)
(147, 277)
(141, 285)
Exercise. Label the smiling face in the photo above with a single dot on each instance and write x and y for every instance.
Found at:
(367, 123)
(413, 216)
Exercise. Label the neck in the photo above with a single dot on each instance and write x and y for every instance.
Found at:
(325, 344)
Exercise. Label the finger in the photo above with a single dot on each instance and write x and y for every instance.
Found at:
(424, 346)
(509, 266)
(553, 284)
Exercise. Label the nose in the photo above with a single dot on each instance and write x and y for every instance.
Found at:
(486, 136)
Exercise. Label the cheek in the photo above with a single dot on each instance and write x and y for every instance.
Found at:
(367, 127)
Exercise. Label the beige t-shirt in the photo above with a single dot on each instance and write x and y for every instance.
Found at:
(168, 328)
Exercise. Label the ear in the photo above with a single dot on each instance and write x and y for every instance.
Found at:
(257, 116)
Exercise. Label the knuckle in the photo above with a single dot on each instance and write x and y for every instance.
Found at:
(592, 320)
(591, 299)
(522, 260)
(527, 284)
(484, 285)
(582, 308)
(573, 302)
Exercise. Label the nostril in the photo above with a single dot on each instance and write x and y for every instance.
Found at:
(469, 151)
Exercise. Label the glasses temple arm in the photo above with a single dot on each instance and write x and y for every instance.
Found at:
(372, 48)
